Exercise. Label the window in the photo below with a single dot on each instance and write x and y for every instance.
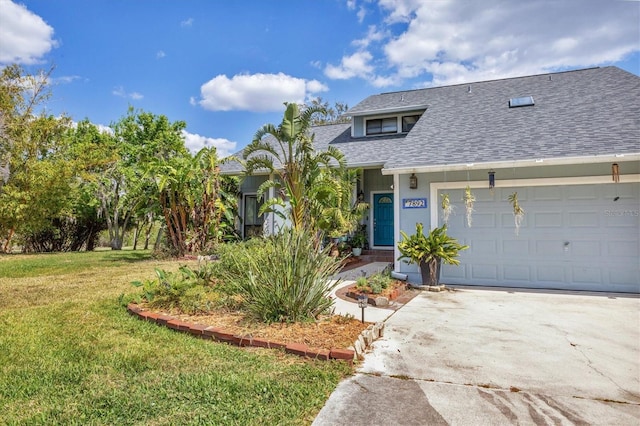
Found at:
(382, 125)
(408, 121)
(252, 220)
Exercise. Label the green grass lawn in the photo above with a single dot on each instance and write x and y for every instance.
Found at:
(71, 354)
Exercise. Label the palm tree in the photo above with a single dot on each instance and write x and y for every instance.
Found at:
(296, 170)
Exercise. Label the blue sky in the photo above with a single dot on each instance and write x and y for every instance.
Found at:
(226, 67)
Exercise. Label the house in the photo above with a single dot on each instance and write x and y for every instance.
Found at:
(567, 143)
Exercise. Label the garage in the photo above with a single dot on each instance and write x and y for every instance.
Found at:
(572, 237)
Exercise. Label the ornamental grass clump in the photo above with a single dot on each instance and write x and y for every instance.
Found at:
(290, 280)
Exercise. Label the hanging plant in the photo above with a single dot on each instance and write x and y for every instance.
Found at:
(468, 199)
(518, 212)
(447, 208)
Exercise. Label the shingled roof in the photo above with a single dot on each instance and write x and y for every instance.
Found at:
(584, 113)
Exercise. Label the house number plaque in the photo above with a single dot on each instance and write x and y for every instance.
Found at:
(414, 203)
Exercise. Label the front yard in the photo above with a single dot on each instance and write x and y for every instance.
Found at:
(70, 353)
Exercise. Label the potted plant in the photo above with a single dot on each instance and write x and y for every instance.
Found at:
(429, 251)
(358, 241)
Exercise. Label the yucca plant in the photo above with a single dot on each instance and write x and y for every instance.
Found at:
(289, 280)
(429, 251)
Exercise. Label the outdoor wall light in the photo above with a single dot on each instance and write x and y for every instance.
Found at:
(413, 181)
(492, 179)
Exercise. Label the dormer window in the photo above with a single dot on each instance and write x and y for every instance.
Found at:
(408, 121)
(382, 125)
(389, 123)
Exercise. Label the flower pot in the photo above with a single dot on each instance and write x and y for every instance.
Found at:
(356, 251)
(430, 272)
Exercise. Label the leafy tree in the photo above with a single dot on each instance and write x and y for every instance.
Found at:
(140, 139)
(331, 115)
(197, 202)
(37, 179)
(295, 167)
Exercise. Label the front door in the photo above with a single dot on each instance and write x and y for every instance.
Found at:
(383, 219)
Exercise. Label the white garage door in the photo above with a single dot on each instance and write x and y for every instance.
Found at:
(575, 237)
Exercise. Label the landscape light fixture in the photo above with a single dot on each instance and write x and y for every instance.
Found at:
(363, 301)
(413, 181)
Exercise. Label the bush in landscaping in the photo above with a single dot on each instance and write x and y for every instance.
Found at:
(282, 278)
(191, 291)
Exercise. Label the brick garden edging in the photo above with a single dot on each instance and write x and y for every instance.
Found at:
(202, 331)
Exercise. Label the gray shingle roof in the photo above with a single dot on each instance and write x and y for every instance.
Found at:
(580, 113)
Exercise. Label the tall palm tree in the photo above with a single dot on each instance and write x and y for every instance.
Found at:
(286, 152)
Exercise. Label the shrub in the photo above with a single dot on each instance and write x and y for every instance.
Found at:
(362, 283)
(189, 290)
(286, 277)
(379, 280)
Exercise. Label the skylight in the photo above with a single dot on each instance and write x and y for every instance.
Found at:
(521, 102)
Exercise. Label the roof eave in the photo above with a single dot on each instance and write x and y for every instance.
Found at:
(387, 110)
(533, 162)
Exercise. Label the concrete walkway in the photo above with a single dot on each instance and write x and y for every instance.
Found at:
(343, 307)
(494, 357)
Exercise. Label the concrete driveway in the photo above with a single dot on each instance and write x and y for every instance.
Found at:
(487, 356)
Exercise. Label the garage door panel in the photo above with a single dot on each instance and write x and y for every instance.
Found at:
(580, 192)
(483, 247)
(620, 218)
(484, 272)
(585, 248)
(515, 247)
(572, 237)
(546, 193)
(507, 221)
(547, 219)
(624, 277)
(550, 274)
(623, 249)
(484, 220)
(581, 219)
(518, 273)
(585, 275)
(554, 248)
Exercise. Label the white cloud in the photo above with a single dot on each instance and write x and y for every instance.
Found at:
(356, 65)
(445, 42)
(187, 22)
(195, 143)
(119, 91)
(160, 54)
(256, 92)
(24, 36)
(65, 79)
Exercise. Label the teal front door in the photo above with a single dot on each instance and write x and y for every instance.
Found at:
(383, 219)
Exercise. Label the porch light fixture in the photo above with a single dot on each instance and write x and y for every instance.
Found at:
(492, 179)
(413, 181)
(360, 196)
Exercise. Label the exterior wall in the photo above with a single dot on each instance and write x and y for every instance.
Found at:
(534, 176)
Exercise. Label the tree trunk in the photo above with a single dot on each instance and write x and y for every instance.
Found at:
(147, 235)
